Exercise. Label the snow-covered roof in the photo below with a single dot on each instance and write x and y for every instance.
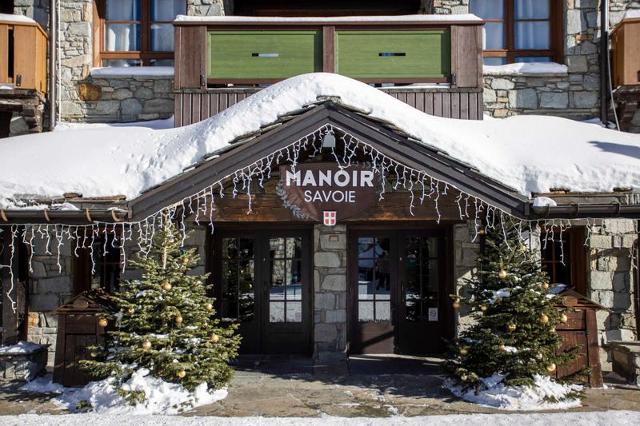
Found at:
(528, 153)
(18, 19)
(339, 19)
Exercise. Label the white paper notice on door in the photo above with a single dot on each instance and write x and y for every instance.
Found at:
(433, 314)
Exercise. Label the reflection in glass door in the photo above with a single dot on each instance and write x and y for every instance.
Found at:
(262, 281)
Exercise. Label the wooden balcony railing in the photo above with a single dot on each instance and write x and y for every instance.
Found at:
(434, 65)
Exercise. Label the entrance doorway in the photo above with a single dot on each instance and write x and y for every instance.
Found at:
(399, 291)
(263, 281)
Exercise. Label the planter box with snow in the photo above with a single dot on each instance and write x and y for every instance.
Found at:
(23, 361)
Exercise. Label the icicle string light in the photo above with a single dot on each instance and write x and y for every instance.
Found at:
(418, 184)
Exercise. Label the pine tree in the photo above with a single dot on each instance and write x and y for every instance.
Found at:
(165, 322)
(515, 318)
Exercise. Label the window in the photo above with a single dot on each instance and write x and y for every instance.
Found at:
(565, 262)
(104, 271)
(520, 30)
(137, 32)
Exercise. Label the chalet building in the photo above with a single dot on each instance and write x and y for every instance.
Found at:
(328, 228)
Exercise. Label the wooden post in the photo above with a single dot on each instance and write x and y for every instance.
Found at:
(328, 49)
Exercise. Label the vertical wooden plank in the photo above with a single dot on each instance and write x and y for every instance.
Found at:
(466, 56)
(411, 99)
(187, 108)
(223, 101)
(177, 110)
(204, 106)
(455, 105)
(213, 104)
(464, 105)
(190, 56)
(446, 104)
(437, 104)
(328, 49)
(480, 109)
(195, 107)
(24, 63)
(428, 100)
(420, 101)
(595, 379)
(473, 106)
(4, 53)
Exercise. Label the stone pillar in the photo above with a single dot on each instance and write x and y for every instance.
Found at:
(209, 7)
(611, 282)
(465, 253)
(330, 294)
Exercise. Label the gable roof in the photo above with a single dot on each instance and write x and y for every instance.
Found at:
(391, 142)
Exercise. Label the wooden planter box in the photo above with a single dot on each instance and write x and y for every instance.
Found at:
(581, 331)
(78, 329)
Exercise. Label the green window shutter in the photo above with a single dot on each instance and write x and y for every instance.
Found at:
(260, 55)
(412, 54)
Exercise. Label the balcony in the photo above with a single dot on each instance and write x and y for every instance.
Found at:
(433, 63)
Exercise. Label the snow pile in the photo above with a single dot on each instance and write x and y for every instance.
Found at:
(545, 394)
(20, 348)
(102, 396)
(528, 153)
(525, 68)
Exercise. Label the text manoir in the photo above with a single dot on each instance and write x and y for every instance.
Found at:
(338, 184)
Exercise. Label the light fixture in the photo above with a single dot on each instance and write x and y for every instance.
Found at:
(329, 141)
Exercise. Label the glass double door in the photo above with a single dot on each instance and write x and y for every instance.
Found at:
(398, 288)
(262, 281)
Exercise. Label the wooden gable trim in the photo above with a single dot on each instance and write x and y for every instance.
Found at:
(384, 140)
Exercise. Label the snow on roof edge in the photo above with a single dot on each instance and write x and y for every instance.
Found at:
(6, 17)
(521, 68)
(147, 71)
(336, 19)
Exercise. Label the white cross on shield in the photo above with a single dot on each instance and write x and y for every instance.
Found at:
(329, 218)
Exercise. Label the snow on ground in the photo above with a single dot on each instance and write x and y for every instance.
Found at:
(595, 418)
(525, 68)
(20, 348)
(161, 397)
(529, 153)
(546, 394)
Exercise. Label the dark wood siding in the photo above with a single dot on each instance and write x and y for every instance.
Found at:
(191, 107)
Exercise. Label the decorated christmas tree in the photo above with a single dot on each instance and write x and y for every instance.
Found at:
(165, 323)
(513, 336)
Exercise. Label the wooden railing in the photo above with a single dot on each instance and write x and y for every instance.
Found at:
(194, 106)
(433, 65)
(23, 55)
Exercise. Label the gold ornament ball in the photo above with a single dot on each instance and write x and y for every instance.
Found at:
(215, 338)
(131, 310)
(464, 351)
(463, 378)
(551, 367)
(511, 327)
(563, 318)
(102, 322)
(209, 307)
(456, 304)
(544, 319)
(179, 319)
(502, 348)
(146, 345)
(93, 354)
(185, 260)
(166, 286)
(502, 274)
(545, 285)
(181, 374)
(483, 308)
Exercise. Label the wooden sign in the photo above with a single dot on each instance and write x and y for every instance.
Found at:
(324, 187)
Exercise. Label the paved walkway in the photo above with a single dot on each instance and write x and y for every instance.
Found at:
(373, 387)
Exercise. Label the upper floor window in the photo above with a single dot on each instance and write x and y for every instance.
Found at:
(520, 30)
(137, 32)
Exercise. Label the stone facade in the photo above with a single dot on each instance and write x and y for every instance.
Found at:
(124, 98)
(330, 293)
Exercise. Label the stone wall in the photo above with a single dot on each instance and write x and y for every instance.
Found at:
(330, 293)
(209, 7)
(49, 288)
(35, 9)
(465, 252)
(611, 281)
(122, 98)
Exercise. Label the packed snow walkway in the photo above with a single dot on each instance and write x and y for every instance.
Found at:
(618, 418)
